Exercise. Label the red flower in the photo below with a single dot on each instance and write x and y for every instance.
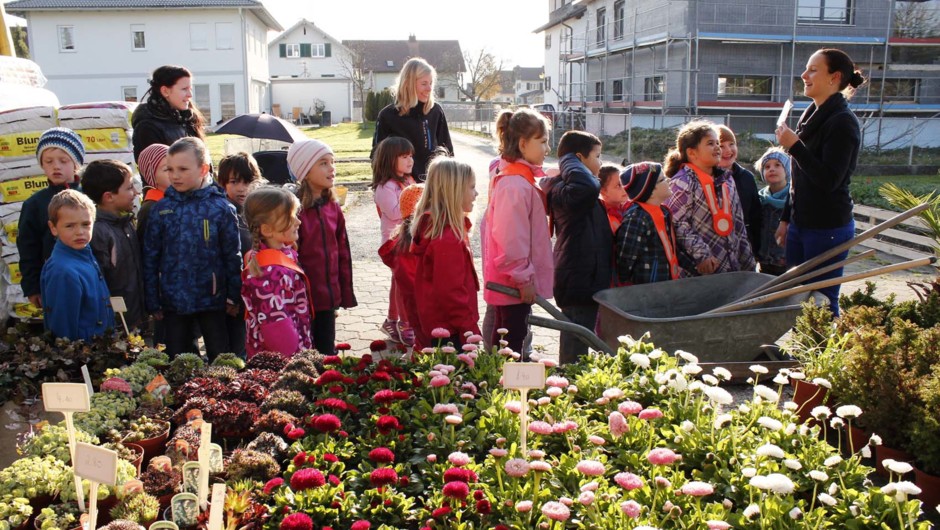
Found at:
(337, 389)
(306, 479)
(501, 527)
(330, 457)
(456, 490)
(272, 484)
(362, 379)
(334, 480)
(459, 475)
(343, 346)
(401, 394)
(404, 480)
(311, 458)
(326, 423)
(484, 507)
(329, 376)
(332, 403)
(478, 494)
(381, 376)
(387, 424)
(288, 428)
(378, 345)
(332, 359)
(383, 476)
(365, 359)
(441, 512)
(384, 396)
(361, 524)
(296, 434)
(297, 521)
(382, 455)
(300, 458)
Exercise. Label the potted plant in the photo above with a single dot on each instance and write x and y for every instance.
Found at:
(35, 477)
(140, 507)
(52, 440)
(149, 434)
(162, 480)
(60, 516)
(924, 444)
(15, 511)
(255, 465)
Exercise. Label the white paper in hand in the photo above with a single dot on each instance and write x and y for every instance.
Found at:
(785, 113)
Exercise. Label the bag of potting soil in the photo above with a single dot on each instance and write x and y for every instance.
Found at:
(28, 119)
(19, 168)
(9, 220)
(114, 139)
(18, 190)
(99, 115)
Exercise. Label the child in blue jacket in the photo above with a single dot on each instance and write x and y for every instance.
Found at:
(75, 298)
(192, 256)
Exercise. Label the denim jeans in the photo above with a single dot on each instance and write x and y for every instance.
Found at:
(804, 244)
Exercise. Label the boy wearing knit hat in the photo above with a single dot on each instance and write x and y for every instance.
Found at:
(645, 244)
(322, 246)
(774, 169)
(61, 154)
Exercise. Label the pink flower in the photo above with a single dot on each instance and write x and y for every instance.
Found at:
(383, 476)
(498, 452)
(469, 347)
(460, 474)
(586, 498)
(466, 359)
(361, 525)
(474, 339)
(448, 349)
(432, 458)
(440, 333)
(591, 468)
(456, 490)
(513, 406)
(516, 467)
(662, 456)
(650, 414)
(439, 380)
(445, 408)
(596, 440)
(540, 427)
(524, 506)
(629, 408)
(628, 481)
(307, 478)
(540, 465)
(382, 455)
(297, 521)
(458, 459)
(556, 511)
(697, 489)
(630, 508)
(617, 424)
(717, 525)
(453, 419)
(556, 381)
(272, 484)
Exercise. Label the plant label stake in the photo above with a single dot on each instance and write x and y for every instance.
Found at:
(522, 377)
(205, 441)
(68, 398)
(99, 466)
(87, 377)
(218, 504)
(120, 307)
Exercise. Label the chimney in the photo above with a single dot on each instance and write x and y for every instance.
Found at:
(412, 38)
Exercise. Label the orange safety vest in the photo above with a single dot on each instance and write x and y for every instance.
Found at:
(270, 256)
(659, 221)
(722, 221)
(153, 194)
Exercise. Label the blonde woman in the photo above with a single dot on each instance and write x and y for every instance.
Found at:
(415, 116)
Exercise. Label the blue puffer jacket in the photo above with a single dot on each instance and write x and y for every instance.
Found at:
(192, 256)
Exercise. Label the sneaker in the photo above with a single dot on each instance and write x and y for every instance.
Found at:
(407, 334)
(390, 328)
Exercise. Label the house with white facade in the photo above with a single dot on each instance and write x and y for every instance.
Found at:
(310, 70)
(94, 50)
(528, 84)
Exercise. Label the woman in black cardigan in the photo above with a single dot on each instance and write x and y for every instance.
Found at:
(169, 112)
(824, 151)
(415, 116)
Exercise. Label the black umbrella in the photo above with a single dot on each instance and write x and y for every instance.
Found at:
(262, 126)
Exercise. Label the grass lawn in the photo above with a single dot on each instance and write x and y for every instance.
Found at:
(864, 189)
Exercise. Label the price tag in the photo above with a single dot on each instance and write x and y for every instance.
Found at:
(118, 304)
(97, 464)
(65, 397)
(785, 113)
(523, 375)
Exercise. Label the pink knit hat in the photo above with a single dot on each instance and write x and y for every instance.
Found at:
(148, 160)
(304, 154)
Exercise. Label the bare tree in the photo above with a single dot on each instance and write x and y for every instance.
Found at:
(482, 79)
(916, 20)
(353, 65)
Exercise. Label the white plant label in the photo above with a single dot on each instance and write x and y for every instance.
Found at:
(523, 375)
(97, 464)
(65, 397)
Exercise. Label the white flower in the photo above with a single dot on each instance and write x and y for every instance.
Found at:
(865, 452)
(779, 484)
(691, 369)
(722, 373)
(766, 393)
(758, 369)
(833, 488)
(679, 383)
(710, 379)
(901, 490)
(833, 460)
(718, 395)
(769, 423)
(820, 413)
(640, 360)
(793, 464)
(836, 423)
(721, 420)
(874, 440)
(751, 511)
(781, 379)
(626, 340)
(696, 386)
(897, 467)
(822, 382)
(687, 426)
(748, 472)
(826, 499)
(770, 450)
(743, 408)
(613, 393)
(804, 430)
(848, 411)
(797, 375)
(656, 354)
(795, 513)
(790, 406)
(790, 429)
(688, 357)
(818, 476)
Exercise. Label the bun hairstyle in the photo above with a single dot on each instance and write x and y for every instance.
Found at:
(167, 76)
(690, 135)
(514, 126)
(837, 60)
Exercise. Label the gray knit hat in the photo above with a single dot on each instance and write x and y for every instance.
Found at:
(64, 139)
(773, 153)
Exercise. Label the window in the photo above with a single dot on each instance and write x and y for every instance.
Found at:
(223, 36)
(138, 38)
(203, 101)
(745, 87)
(199, 36)
(824, 11)
(227, 100)
(129, 93)
(293, 51)
(617, 90)
(896, 90)
(599, 91)
(439, 92)
(548, 83)
(654, 88)
(548, 40)
(66, 38)
(619, 11)
(317, 50)
(601, 26)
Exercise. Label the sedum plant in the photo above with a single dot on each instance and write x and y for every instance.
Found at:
(142, 508)
(53, 440)
(33, 476)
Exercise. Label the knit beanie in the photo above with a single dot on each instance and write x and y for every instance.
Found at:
(64, 139)
(304, 154)
(774, 153)
(409, 199)
(640, 179)
(148, 160)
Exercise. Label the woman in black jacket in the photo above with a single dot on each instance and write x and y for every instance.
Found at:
(824, 151)
(168, 114)
(415, 116)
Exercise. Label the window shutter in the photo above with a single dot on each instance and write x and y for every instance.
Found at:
(282, 50)
(326, 49)
(305, 49)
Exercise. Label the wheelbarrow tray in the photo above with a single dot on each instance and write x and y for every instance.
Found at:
(672, 313)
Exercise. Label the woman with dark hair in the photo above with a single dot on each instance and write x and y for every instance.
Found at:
(415, 116)
(168, 113)
(705, 207)
(824, 150)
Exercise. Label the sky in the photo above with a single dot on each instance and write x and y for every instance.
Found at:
(501, 27)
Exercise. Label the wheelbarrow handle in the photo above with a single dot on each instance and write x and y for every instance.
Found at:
(584, 334)
(543, 303)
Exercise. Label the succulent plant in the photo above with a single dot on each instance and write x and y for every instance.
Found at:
(14, 511)
(62, 516)
(306, 363)
(271, 444)
(33, 476)
(261, 376)
(247, 464)
(246, 390)
(274, 421)
(183, 445)
(183, 368)
(143, 428)
(141, 508)
(137, 375)
(296, 380)
(269, 360)
(160, 482)
(153, 357)
(116, 384)
(287, 400)
(221, 373)
(53, 440)
(66, 484)
(122, 524)
(229, 359)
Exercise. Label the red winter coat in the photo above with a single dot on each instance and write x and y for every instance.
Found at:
(447, 282)
(404, 267)
(323, 253)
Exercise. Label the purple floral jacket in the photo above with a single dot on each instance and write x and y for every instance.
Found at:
(277, 307)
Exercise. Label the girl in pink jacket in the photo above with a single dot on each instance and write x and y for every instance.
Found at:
(517, 246)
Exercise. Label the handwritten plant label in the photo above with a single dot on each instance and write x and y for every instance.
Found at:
(118, 304)
(65, 397)
(97, 464)
(523, 375)
(217, 507)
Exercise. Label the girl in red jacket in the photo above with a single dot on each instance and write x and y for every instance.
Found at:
(322, 245)
(396, 253)
(445, 274)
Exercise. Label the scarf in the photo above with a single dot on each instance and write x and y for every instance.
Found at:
(777, 200)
